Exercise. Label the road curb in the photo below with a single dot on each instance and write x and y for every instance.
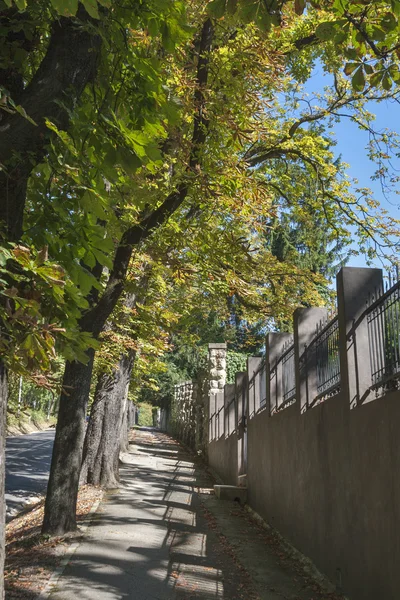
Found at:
(56, 575)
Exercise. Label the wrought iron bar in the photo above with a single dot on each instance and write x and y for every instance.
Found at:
(327, 357)
(263, 383)
(383, 322)
(288, 375)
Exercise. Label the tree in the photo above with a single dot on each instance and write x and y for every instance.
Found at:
(200, 151)
(186, 180)
(47, 63)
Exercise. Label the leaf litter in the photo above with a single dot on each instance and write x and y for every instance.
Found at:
(31, 557)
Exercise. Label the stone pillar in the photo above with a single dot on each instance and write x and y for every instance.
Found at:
(216, 379)
(274, 348)
(354, 285)
(305, 324)
(253, 363)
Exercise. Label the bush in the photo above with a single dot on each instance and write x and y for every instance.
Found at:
(145, 414)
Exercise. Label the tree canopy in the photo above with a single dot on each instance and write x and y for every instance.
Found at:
(168, 150)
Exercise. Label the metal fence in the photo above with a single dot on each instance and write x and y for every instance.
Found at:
(383, 322)
(282, 379)
(323, 355)
(288, 375)
(257, 388)
(230, 416)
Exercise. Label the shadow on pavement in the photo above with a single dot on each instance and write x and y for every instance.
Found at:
(152, 540)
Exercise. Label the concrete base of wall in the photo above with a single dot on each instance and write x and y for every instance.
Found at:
(231, 492)
(242, 480)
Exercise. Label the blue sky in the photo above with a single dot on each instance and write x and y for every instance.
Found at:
(351, 145)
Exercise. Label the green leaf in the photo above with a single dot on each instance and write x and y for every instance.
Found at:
(89, 259)
(396, 7)
(376, 78)
(20, 109)
(67, 8)
(386, 82)
(91, 7)
(216, 8)
(350, 68)
(231, 6)
(8, 3)
(389, 22)
(358, 80)
(394, 71)
(102, 258)
(340, 6)
(21, 4)
(351, 53)
(153, 27)
(111, 157)
(129, 161)
(264, 20)
(368, 69)
(325, 31)
(378, 34)
(249, 11)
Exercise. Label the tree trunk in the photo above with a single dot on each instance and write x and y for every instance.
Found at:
(94, 430)
(3, 425)
(123, 437)
(62, 490)
(102, 442)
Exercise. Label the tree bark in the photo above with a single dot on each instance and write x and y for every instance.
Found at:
(106, 425)
(123, 437)
(62, 490)
(3, 416)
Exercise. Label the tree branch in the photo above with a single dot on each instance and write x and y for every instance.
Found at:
(69, 64)
(95, 318)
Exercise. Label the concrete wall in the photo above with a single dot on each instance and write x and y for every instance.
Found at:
(323, 465)
(223, 458)
(223, 445)
(324, 468)
(330, 484)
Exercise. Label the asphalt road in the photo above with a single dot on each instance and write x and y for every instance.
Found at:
(27, 468)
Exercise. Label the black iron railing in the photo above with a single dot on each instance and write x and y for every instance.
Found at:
(288, 375)
(263, 383)
(383, 322)
(327, 355)
(322, 354)
(258, 380)
(283, 380)
(219, 422)
(230, 413)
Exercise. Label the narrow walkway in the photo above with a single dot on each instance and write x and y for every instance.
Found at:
(165, 536)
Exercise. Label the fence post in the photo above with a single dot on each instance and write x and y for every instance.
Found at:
(274, 347)
(354, 284)
(216, 378)
(305, 321)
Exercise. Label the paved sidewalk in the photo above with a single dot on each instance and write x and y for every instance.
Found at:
(164, 536)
